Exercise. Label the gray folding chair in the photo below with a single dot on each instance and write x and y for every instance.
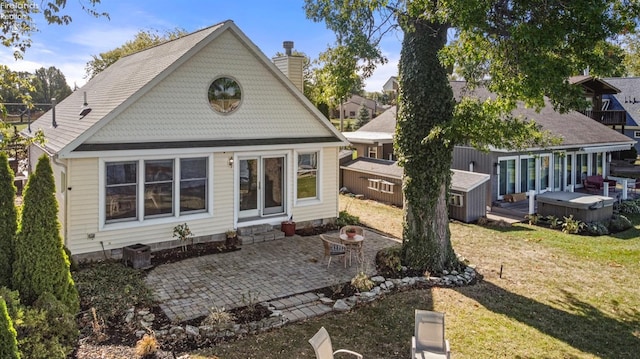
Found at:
(321, 343)
(428, 341)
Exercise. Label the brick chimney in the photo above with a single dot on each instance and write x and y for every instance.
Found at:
(291, 65)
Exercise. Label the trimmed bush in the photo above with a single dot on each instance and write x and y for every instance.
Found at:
(8, 220)
(48, 330)
(345, 219)
(8, 341)
(41, 264)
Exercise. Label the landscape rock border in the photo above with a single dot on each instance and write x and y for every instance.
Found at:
(172, 335)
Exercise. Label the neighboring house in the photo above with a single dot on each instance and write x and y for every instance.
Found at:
(190, 131)
(375, 139)
(381, 180)
(351, 107)
(627, 100)
(598, 91)
(585, 150)
(391, 85)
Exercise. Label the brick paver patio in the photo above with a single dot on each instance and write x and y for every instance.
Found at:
(258, 272)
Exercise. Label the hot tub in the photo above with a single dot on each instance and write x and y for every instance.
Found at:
(584, 207)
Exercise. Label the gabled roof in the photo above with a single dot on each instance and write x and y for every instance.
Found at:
(593, 85)
(379, 129)
(628, 97)
(123, 83)
(574, 128)
(359, 100)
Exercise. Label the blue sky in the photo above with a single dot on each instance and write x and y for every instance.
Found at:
(266, 23)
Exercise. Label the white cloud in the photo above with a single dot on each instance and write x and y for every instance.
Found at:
(96, 40)
(382, 75)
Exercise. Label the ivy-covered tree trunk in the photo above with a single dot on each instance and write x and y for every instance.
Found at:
(8, 340)
(426, 100)
(41, 264)
(8, 220)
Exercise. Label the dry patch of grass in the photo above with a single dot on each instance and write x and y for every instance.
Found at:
(559, 296)
(383, 218)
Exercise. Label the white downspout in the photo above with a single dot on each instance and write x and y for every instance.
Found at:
(65, 225)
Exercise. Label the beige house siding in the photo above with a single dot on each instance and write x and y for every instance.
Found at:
(85, 216)
(292, 67)
(178, 108)
(328, 207)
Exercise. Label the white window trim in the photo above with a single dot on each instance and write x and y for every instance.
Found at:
(456, 200)
(517, 169)
(386, 187)
(374, 184)
(141, 221)
(301, 202)
(372, 149)
(636, 134)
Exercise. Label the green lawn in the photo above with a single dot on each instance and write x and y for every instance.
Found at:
(545, 294)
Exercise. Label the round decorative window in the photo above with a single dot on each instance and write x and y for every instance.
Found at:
(225, 95)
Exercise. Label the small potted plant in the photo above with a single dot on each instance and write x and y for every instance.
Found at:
(182, 232)
(351, 232)
(232, 238)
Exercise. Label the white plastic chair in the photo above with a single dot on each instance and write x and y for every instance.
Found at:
(321, 343)
(428, 341)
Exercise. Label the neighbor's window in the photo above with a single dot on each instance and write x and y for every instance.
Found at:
(121, 191)
(386, 187)
(455, 200)
(158, 187)
(636, 134)
(374, 184)
(193, 184)
(307, 175)
(225, 95)
(373, 152)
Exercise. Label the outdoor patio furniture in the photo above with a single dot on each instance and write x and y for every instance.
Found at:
(333, 249)
(353, 238)
(321, 343)
(428, 340)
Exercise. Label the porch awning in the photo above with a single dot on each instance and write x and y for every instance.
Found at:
(608, 148)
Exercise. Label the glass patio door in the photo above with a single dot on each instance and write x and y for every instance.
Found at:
(261, 186)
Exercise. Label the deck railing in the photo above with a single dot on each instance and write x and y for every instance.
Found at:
(611, 117)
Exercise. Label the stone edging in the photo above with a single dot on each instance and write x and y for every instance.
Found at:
(176, 333)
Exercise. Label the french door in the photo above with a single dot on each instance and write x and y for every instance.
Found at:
(261, 183)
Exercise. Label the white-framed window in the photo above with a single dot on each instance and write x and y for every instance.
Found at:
(372, 151)
(139, 190)
(380, 185)
(307, 175)
(386, 187)
(456, 199)
(374, 184)
(636, 134)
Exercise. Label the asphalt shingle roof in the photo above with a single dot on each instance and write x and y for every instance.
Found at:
(574, 128)
(629, 97)
(109, 89)
(375, 166)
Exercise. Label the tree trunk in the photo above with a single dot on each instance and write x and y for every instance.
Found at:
(426, 100)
